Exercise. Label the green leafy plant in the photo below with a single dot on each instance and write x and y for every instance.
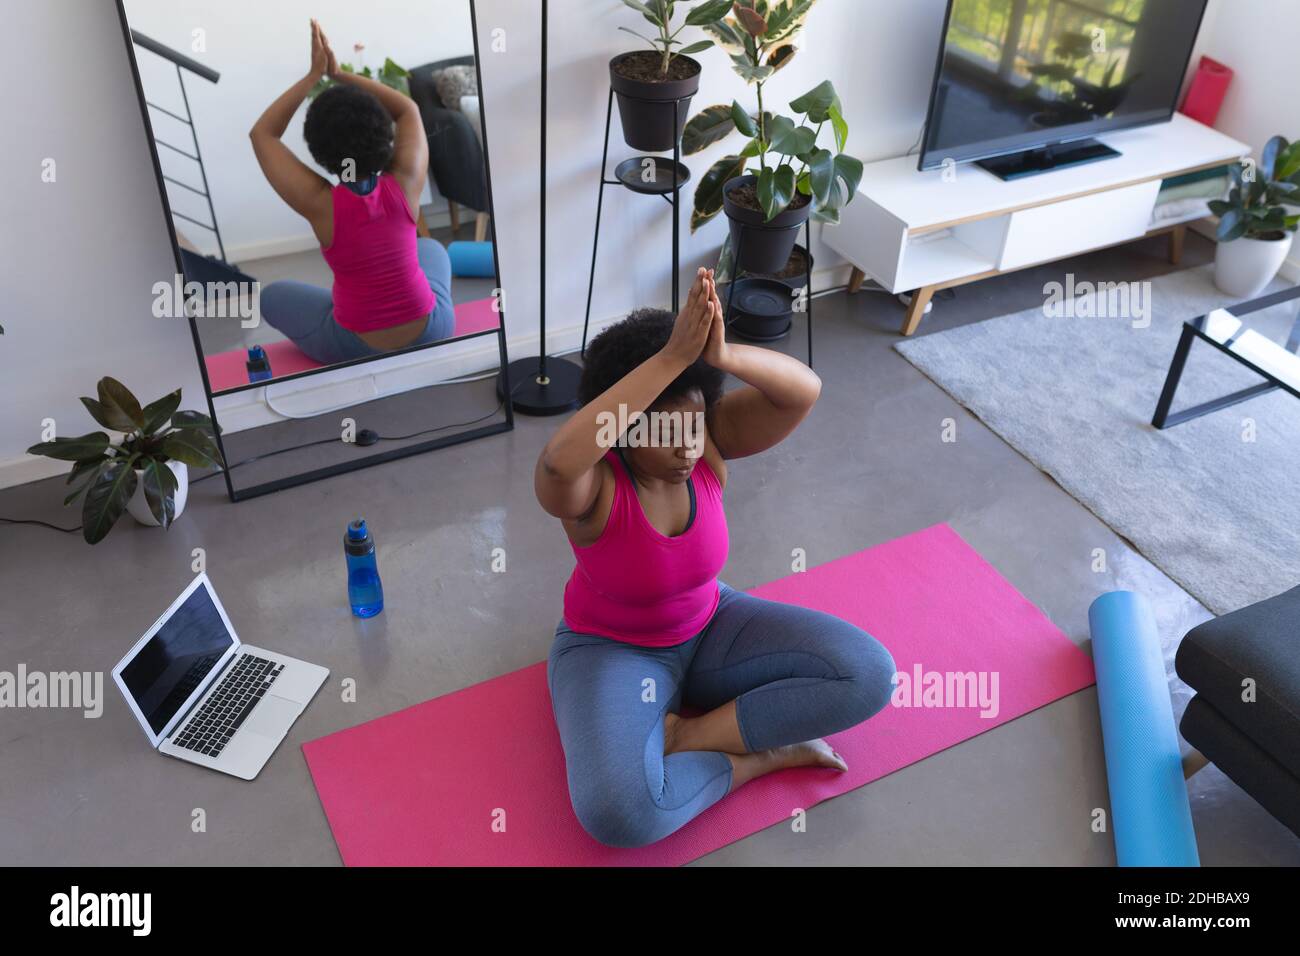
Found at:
(660, 15)
(1061, 88)
(390, 74)
(1256, 204)
(105, 470)
(759, 37)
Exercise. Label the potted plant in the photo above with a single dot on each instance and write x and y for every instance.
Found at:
(145, 472)
(390, 74)
(794, 176)
(648, 82)
(1062, 91)
(1255, 233)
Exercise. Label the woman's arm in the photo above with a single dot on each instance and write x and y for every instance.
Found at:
(411, 146)
(779, 393)
(305, 190)
(566, 480)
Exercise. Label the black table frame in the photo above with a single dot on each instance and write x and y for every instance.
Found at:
(1191, 332)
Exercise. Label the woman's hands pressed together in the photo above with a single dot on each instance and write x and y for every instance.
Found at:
(323, 61)
(695, 322)
(716, 351)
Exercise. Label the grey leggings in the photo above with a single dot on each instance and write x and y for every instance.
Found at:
(794, 673)
(304, 313)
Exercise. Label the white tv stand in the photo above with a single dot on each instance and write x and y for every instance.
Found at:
(919, 232)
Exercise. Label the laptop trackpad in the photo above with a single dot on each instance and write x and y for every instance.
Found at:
(272, 717)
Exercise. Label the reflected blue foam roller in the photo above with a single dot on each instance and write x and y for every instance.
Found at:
(1150, 814)
(472, 259)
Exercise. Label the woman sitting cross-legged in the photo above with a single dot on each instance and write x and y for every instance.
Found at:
(392, 288)
(647, 624)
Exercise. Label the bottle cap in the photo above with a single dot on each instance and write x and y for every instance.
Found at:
(257, 360)
(358, 541)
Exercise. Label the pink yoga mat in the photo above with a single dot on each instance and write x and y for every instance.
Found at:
(426, 785)
(226, 369)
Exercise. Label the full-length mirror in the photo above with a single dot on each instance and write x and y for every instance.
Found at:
(326, 172)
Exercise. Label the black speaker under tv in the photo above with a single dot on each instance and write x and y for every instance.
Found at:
(1023, 86)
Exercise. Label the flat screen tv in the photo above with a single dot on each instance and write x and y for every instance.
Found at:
(1023, 85)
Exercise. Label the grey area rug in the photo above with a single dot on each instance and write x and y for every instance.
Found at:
(1218, 513)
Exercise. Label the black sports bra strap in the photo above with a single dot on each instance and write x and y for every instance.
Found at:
(690, 487)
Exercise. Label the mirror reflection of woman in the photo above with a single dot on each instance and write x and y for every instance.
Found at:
(647, 624)
(392, 288)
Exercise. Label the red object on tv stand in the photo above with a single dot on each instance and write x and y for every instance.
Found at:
(1206, 91)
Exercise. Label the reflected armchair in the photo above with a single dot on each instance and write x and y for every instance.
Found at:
(456, 167)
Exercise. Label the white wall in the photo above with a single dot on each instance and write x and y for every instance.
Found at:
(879, 54)
(1259, 40)
(78, 256)
(260, 49)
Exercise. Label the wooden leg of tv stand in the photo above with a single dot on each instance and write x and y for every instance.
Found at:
(920, 299)
(856, 278)
(1176, 237)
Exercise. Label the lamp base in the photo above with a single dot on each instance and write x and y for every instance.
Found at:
(555, 395)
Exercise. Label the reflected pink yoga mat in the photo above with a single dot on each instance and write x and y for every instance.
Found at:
(227, 370)
(424, 786)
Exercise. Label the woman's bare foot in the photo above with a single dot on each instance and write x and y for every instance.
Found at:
(809, 753)
(718, 730)
(671, 724)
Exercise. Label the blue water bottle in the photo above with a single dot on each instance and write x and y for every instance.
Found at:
(258, 364)
(365, 591)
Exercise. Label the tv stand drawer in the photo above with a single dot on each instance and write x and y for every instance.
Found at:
(1060, 229)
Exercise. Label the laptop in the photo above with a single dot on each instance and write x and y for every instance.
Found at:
(202, 696)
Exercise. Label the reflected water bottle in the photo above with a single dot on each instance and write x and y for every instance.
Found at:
(365, 592)
(258, 364)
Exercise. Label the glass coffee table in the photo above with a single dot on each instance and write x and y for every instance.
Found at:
(1262, 334)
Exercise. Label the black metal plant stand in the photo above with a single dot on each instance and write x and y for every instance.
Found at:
(631, 175)
(807, 296)
(543, 385)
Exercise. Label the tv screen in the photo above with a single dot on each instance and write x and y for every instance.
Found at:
(1019, 74)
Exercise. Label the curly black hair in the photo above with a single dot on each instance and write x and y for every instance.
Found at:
(346, 123)
(624, 345)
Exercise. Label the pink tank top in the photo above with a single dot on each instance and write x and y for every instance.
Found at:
(639, 586)
(378, 282)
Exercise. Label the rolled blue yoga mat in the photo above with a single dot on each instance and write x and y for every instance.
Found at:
(472, 259)
(1150, 815)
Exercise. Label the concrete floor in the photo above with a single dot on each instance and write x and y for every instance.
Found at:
(867, 466)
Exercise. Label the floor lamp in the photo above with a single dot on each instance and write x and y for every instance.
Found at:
(543, 385)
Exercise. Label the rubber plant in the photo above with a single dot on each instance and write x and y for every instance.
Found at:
(1256, 205)
(660, 15)
(759, 37)
(105, 470)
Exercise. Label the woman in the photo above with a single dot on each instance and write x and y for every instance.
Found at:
(392, 289)
(647, 626)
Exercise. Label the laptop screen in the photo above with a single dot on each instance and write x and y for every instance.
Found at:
(166, 670)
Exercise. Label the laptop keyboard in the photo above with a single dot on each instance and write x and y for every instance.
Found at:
(210, 728)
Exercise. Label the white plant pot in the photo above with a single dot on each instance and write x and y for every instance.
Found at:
(138, 506)
(1243, 267)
